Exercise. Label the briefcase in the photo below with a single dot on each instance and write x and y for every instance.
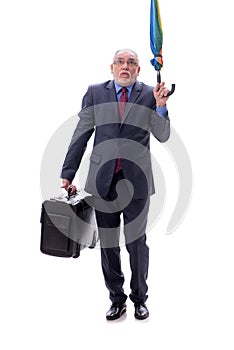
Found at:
(68, 225)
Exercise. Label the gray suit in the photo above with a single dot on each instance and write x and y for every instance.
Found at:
(129, 138)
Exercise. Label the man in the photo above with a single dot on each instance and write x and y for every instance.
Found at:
(123, 113)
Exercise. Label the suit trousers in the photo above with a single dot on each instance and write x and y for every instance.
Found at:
(134, 212)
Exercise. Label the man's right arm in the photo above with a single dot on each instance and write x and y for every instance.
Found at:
(78, 144)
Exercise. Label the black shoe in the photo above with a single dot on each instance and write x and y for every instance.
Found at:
(141, 311)
(116, 311)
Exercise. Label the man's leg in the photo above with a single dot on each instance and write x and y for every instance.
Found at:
(139, 263)
(135, 221)
(109, 230)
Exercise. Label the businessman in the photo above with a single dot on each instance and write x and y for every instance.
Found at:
(122, 113)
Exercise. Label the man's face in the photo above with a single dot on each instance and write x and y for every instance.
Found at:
(125, 68)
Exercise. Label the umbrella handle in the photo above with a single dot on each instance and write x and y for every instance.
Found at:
(172, 85)
(171, 91)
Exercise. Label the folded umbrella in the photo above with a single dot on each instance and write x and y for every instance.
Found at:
(156, 40)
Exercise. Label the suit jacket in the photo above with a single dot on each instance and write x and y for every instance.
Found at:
(129, 138)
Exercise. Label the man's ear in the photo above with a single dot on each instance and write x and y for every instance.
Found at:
(111, 68)
(138, 70)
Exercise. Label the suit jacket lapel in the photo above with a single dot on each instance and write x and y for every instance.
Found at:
(111, 94)
(111, 97)
(136, 90)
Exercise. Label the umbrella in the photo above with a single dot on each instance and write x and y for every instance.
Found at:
(156, 40)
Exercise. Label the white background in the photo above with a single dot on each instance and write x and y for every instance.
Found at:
(50, 52)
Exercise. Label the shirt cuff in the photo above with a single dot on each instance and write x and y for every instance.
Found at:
(162, 111)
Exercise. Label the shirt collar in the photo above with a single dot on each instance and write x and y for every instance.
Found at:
(119, 87)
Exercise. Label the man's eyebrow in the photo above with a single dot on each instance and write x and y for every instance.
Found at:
(128, 59)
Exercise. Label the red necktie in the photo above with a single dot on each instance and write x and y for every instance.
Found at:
(122, 101)
(122, 104)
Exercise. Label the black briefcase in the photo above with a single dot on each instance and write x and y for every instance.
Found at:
(67, 226)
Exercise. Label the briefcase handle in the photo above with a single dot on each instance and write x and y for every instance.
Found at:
(83, 204)
(69, 191)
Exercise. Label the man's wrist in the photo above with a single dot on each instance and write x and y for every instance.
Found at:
(162, 110)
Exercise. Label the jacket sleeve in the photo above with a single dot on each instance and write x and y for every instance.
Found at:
(160, 126)
(81, 135)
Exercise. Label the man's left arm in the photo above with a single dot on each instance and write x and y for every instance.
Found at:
(160, 122)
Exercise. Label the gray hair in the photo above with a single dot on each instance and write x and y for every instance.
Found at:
(118, 51)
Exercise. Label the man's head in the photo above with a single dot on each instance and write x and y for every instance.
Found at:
(125, 67)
